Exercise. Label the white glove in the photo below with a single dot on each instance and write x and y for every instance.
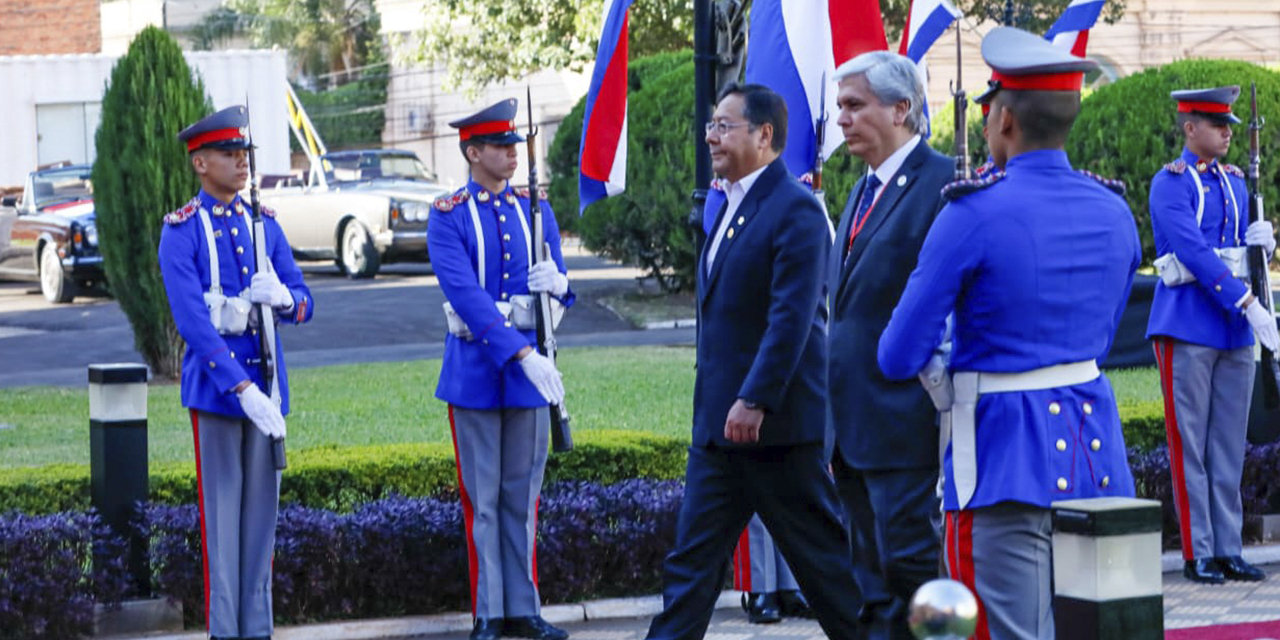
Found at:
(262, 411)
(542, 373)
(1264, 325)
(937, 382)
(1260, 234)
(544, 276)
(265, 288)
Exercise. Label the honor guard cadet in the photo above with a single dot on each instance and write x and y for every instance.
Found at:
(1203, 322)
(760, 571)
(1036, 260)
(497, 385)
(207, 259)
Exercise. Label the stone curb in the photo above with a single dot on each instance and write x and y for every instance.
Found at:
(454, 622)
(671, 324)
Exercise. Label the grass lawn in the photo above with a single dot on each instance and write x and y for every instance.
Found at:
(636, 388)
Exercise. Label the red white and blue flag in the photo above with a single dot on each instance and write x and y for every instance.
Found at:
(602, 156)
(793, 45)
(927, 20)
(1071, 31)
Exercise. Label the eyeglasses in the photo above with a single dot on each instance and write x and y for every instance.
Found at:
(723, 127)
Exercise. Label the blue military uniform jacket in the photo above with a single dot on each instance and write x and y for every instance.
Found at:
(481, 373)
(214, 364)
(1203, 312)
(1037, 264)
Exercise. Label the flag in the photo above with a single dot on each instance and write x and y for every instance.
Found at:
(793, 45)
(602, 156)
(1071, 31)
(927, 20)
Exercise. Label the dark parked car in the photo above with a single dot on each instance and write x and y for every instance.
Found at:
(49, 234)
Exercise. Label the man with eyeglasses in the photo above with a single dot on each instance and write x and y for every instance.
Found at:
(759, 397)
(886, 436)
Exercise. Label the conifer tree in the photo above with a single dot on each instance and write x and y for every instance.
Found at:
(141, 173)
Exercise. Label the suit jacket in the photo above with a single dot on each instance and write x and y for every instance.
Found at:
(760, 335)
(880, 423)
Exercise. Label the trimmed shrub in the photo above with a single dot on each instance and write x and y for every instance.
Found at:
(1143, 425)
(403, 556)
(342, 478)
(1126, 130)
(143, 173)
(48, 581)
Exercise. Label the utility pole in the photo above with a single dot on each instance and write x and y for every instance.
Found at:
(704, 74)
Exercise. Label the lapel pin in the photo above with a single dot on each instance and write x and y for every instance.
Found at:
(902, 180)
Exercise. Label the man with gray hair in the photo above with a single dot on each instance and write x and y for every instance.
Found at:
(886, 436)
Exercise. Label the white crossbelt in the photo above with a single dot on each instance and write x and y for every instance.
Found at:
(958, 424)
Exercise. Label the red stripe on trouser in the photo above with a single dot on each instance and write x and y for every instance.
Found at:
(204, 538)
(1164, 362)
(960, 563)
(537, 504)
(468, 517)
(742, 562)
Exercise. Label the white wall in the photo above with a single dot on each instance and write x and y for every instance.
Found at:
(32, 82)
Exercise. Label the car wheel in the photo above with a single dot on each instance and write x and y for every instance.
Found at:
(54, 284)
(357, 256)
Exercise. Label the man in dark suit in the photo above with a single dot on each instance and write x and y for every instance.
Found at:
(759, 399)
(886, 435)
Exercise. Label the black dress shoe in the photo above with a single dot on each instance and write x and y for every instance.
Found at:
(1235, 568)
(1203, 570)
(487, 629)
(533, 627)
(794, 605)
(764, 608)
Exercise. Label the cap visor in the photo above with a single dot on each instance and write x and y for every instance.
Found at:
(986, 96)
(1219, 118)
(233, 144)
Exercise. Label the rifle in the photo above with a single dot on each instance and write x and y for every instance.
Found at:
(266, 315)
(561, 435)
(819, 141)
(962, 125)
(1259, 280)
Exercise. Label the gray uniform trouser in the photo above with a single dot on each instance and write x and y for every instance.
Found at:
(1003, 553)
(239, 498)
(501, 455)
(1207, 423)
(758, 564)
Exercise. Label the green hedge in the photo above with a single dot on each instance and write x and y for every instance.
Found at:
(340, 479)
(1126, 130)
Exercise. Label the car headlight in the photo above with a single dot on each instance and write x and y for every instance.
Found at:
(409, 211)
(91, 235)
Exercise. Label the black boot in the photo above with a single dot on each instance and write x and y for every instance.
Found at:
(487, 629)
(1203, 570)
(533, 627)
(763, 608)
(1235, 568)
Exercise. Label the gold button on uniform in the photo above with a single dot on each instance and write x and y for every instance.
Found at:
(483, 196)
(506, 256)
(1088, 408)
(1055, 408)
(1062, 484)
(235, 231)
(1217, 287)
(233, 355)
(1096, 444)
(1106, 480)
(742, 219)
(213, 365)
(504, 295)
(729, 233)
(506, 276)
(506, 237)
(244, 270)
(239, 250)
(507, 324)
(1062, 444)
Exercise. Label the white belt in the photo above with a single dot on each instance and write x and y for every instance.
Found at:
(958, 423)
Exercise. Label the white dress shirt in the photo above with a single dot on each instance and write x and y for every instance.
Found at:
(890, 166)
(733, 195)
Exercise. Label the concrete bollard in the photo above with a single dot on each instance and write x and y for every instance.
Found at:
(1106, 569)
(118, 455)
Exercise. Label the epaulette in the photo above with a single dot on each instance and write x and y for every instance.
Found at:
(182, 215)
(984, 168)
(963, 187)
(1177, 166)
(720, 184)
(447, 203)
(1233, 170)
(523, 192)
(267, 211)
(262, 208)
(807, 178)
(1115, 186)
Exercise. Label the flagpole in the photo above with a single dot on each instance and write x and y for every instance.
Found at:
(703, 88)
